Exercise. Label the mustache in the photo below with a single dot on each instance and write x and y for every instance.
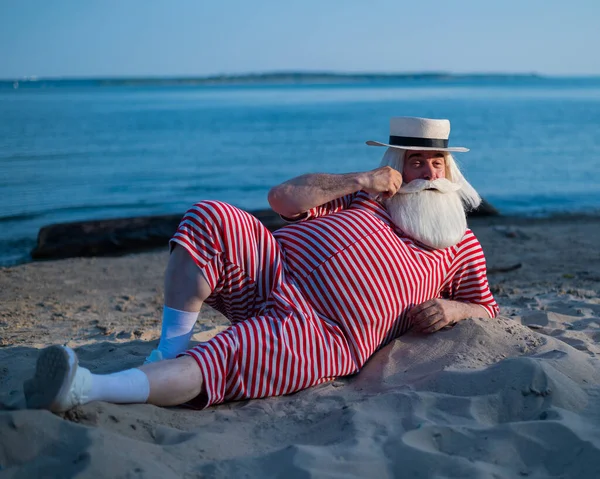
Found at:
(442, 185)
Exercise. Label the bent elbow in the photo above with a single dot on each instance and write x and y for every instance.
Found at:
(281, 202)
(276, 200)
(273, 198)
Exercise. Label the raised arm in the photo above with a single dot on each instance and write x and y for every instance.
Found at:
(302, 193)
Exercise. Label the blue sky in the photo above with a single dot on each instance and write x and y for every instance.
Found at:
(115, 38)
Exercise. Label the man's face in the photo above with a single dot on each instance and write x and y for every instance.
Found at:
(423, 165)
(428, 207)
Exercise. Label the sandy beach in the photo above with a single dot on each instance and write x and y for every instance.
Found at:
(515, 396)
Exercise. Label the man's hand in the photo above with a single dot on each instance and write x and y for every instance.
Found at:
(383, 182)
(435, 314)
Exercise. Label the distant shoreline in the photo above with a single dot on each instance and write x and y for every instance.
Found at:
(284, 78)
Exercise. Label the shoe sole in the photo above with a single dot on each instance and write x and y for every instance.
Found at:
(54, 373)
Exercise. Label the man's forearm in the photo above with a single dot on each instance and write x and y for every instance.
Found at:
(300, 194)
(436, 314)
(469, 310)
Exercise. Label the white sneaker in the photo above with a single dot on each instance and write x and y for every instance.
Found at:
(59, 383)
(155, 356)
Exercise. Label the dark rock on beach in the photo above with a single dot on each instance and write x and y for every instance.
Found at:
(104, 237)
(117, 236)
(484, 209)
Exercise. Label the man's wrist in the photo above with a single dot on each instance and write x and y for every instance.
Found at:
(467, 310)
(358, 180)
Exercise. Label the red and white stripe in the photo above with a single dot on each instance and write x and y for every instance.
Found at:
(315, 299)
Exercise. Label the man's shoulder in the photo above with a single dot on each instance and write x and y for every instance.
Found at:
(469, 240)
(469, 234)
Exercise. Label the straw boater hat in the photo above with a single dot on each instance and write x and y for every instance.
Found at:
(409, 133)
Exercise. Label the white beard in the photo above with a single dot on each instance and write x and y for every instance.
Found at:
(430, 212)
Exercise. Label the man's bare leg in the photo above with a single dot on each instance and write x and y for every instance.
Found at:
(174, 381)
(186, 288)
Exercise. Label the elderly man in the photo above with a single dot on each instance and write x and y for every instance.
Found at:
(366, 257)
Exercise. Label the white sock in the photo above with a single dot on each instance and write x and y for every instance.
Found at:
(129, 386)
(177, 328)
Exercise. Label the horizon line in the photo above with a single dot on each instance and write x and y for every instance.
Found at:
(279, 73)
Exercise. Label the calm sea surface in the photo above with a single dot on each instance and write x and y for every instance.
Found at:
(82, 152)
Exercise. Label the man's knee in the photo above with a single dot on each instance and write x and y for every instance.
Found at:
(183, 266)
(216, 217)
(214, 209)
(204, 221)
(180, 256)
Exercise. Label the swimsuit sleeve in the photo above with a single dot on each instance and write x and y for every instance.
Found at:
(331, 207)
(467, 279)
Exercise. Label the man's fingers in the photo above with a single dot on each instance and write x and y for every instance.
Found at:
(425, 315)
(429, 316)
(426, 321)
(391, 191)
(416, 310)
(421, 307)
(435, 327)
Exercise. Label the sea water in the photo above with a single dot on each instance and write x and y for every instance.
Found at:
(82, 151)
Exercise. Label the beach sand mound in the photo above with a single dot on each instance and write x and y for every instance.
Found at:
(488, 398)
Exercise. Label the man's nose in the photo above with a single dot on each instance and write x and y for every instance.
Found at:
(429, 173)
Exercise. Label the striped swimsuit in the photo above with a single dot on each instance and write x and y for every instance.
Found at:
(317, 298)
